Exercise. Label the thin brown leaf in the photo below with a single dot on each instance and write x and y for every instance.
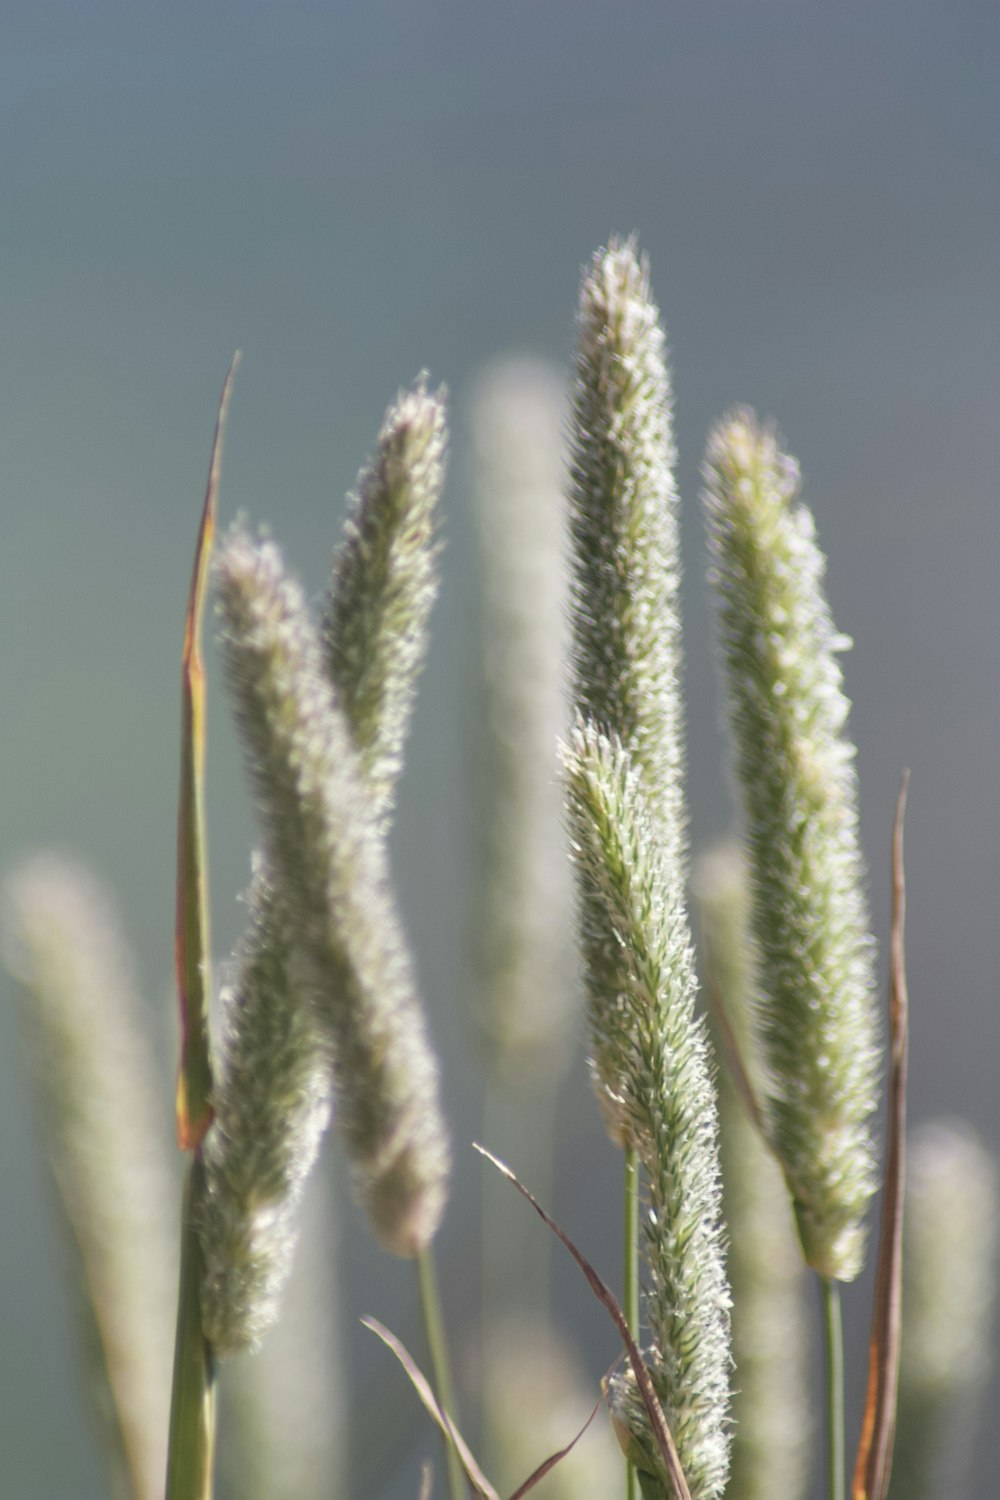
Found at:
(606, 1297)
(191, 954)
(426, 1481)
(422, 1386)
(555, 1458)
(873, 1468)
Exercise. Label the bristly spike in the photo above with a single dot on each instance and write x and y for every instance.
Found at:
(817, 1018)
(637, 947)
(771, 1417)
(623, 520)
(328, 863)
(272, 1100)
(96, 1082)
(529, 998)
(272, 1109)
(951, 1257)
(624, 529)
(384, 584)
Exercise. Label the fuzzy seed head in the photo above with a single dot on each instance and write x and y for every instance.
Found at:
(624, 530)
(328, 863)
(384, 585)
(517, 422)
(817, 1017)
(272, 1107)
(951, 1257)
(97, 1089)
(771, 1416)
(654, 1054)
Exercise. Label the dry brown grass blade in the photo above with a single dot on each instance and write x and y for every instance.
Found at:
(873, 1468)
(422, 1386)
(191, 953)
(654, 1411)
(553, 1459)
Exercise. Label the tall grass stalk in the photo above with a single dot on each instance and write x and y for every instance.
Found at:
(834, 1386)
(771, 1407)
(623, 524)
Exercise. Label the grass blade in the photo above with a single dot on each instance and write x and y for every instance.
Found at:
(606, 1297)
(423, 1388)
(191, 951)
(191, 1450)
(873, 1468)
(554, 1458)
(191, 1443)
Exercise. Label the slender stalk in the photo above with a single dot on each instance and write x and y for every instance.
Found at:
(630, 1284)
(834, 1347)
(191, 1450)
(430, 1303)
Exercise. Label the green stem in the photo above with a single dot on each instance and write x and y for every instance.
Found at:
(834, 1340)
(630, 1287)
(191, 1450)
(430, 1303)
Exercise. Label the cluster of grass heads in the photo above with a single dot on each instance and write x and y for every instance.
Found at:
(738, 1175)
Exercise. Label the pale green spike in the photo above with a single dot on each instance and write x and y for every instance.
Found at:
(951, 1250)
(527, 940)
(637, 948)
(98, 1092)
(274, 1065)
(817, 1019)
(623, 517)
(272, 1109)
(384, 584)
(327, 861)
(771, 1415)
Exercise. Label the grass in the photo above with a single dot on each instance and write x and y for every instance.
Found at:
(322, 1017)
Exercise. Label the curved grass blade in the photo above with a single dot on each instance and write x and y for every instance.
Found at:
(422, 1386)
(554, 1458)
(873, 1468)
(194, 1077)
(604, 1295)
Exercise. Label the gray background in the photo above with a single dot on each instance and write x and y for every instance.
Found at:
(352, 192)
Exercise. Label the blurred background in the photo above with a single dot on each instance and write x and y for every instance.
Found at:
(351, 193)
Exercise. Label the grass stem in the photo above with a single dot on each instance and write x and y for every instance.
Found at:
(834, 1350)
(191, 1450)
(430, 1303)
(630, 1286)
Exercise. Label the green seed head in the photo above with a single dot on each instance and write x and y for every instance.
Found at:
(817, 1019)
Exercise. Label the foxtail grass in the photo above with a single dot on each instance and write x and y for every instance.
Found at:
(951, 1249)
(816, 1019)
(771, 1410)
(637, 949)
(97, 1087)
